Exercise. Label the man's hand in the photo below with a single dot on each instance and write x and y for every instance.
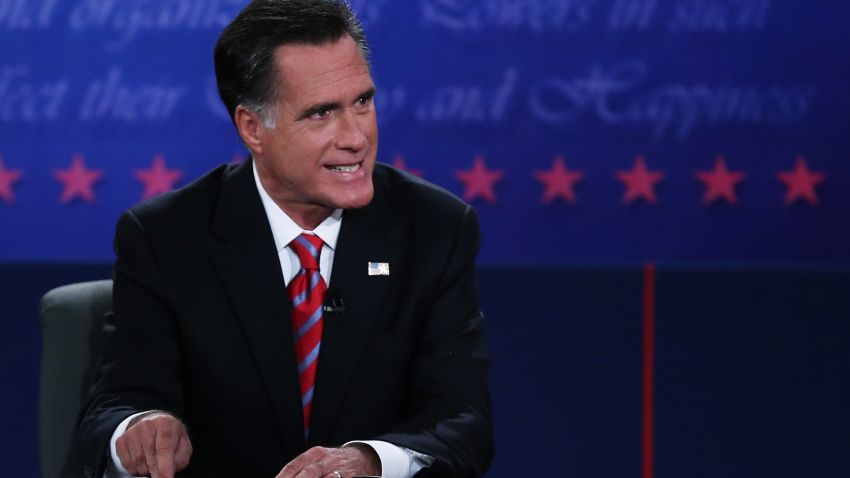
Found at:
(156, 444)
(347, 461)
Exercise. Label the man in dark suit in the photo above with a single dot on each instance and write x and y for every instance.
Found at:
(220, 287)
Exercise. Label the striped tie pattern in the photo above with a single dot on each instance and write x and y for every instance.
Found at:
(307, 293)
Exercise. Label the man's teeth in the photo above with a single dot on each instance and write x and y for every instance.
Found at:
(345, 169)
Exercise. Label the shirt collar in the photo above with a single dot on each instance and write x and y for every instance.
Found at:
(285, 230)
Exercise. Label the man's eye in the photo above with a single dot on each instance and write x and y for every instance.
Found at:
(321, 114)
(364, 101)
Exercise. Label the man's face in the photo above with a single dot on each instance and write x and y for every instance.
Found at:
(321, 152)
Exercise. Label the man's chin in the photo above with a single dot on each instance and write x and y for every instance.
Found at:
(356, 201)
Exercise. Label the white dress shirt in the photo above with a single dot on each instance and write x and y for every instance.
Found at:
(396, 462)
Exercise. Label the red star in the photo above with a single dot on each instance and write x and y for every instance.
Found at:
(158, 179)
(399, 163)
(801, 182)
(77, 180)
(640, 182)
(720, 183)
(559, 181)
(479, 180)
(8, 177)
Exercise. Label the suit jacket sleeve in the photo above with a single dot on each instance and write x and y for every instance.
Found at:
(450, 374)
(138, 368)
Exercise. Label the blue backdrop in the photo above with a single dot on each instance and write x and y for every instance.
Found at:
(516, 84)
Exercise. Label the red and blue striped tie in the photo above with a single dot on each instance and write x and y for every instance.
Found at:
(307, 293)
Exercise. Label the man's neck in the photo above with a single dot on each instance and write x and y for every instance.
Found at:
(307, 216)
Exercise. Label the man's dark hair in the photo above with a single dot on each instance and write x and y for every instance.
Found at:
(244, 54)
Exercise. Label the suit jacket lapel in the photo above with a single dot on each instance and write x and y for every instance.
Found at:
(249, 268)
(366, 235)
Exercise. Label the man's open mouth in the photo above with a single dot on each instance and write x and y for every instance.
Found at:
(345, 168)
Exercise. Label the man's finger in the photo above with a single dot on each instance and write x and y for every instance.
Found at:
(148, 431)
(313, 470)
(126, 456)
(313, 463)
(294, 467)
(137, 455)
(289, 470)
(138, 444)
(183, 452)
(165, 446)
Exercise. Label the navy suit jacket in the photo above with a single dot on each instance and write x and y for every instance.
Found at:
(200, 327)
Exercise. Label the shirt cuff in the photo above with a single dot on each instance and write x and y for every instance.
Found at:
(396, 461)
(116, 469)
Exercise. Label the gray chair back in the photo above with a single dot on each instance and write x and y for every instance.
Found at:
(71, 318)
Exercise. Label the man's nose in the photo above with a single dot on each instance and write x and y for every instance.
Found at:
(351, 135)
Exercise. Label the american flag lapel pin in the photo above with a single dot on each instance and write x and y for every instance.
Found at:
(379, 268)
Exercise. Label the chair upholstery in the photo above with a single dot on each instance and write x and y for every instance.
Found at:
(71, 318)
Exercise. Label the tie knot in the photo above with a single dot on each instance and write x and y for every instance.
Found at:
(307, 247)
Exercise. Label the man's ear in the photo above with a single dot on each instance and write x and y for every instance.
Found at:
(248, 124)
